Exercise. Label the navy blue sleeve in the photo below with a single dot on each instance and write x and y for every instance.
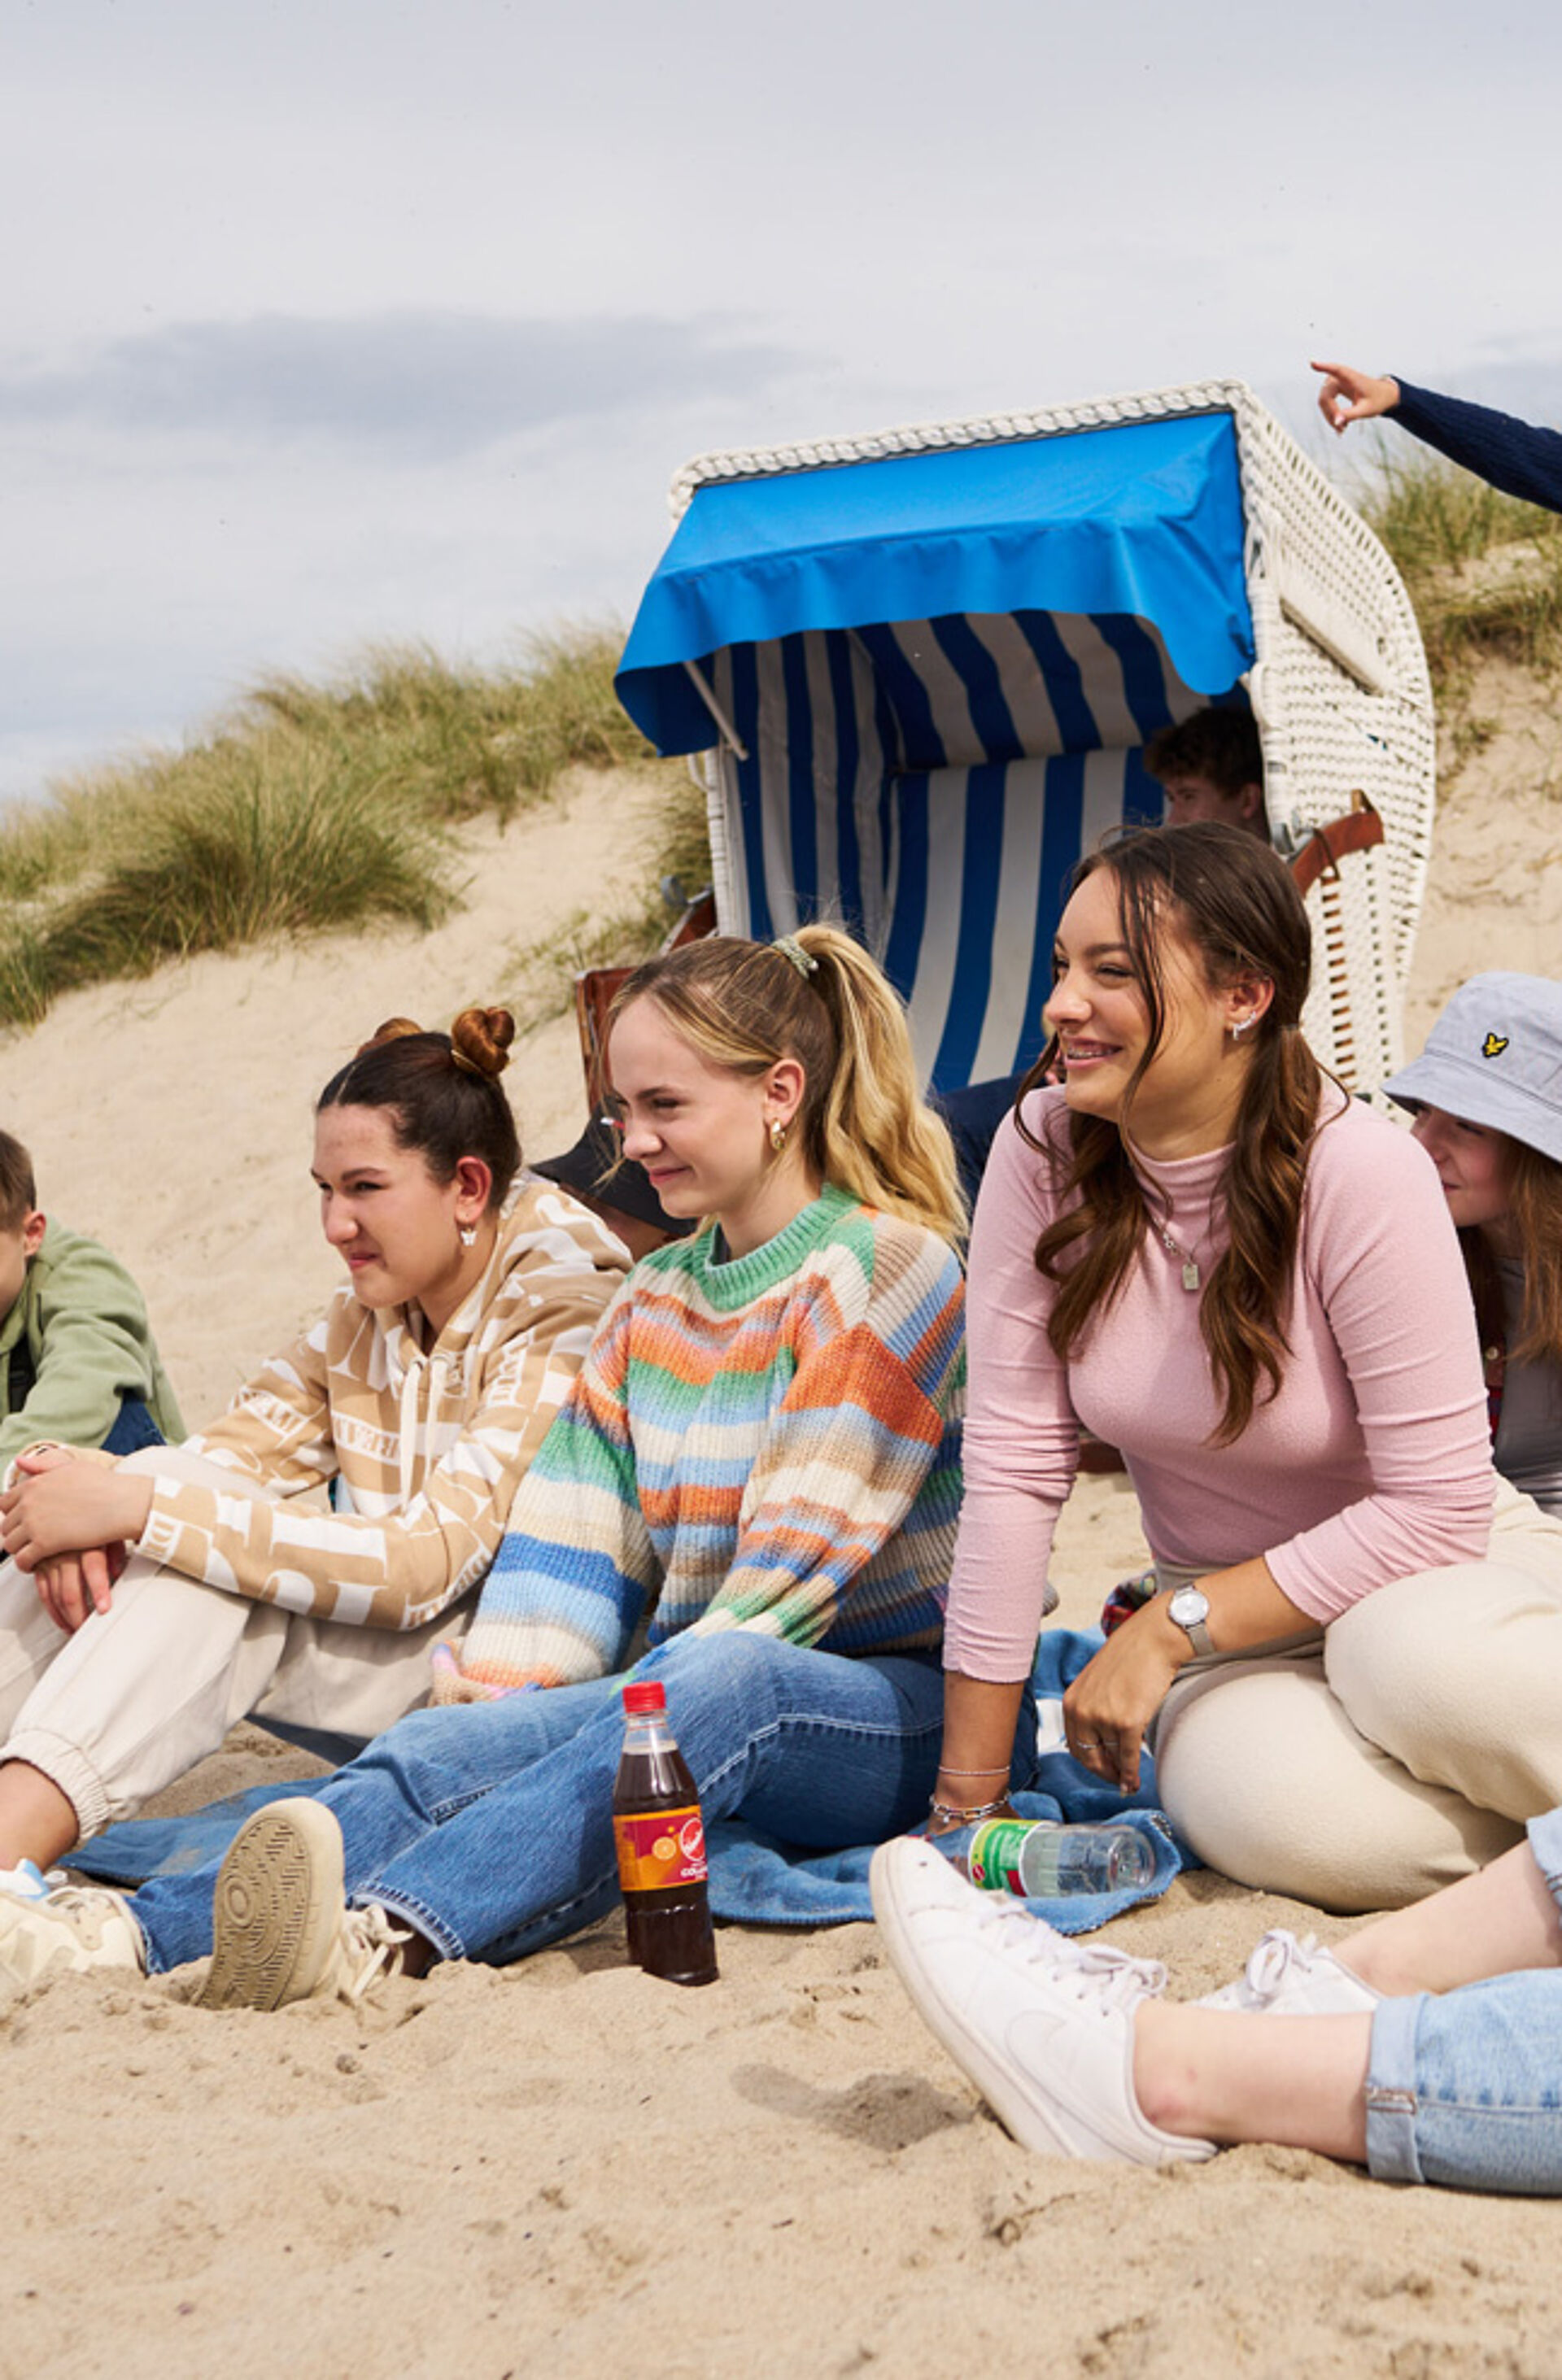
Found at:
(1513, 455)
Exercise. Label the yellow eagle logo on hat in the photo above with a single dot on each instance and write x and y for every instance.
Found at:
(1494, 1045)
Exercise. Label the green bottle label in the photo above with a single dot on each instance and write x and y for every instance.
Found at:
(993, 1856)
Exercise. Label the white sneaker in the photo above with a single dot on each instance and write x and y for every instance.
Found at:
(66, 1933)
(281, 1929)
(1284, 1977)
(1043, 2026)
(26, 1881)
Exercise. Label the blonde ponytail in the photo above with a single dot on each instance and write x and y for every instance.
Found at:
(817, 996)
(872, 1132)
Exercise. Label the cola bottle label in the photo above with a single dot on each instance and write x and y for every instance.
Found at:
(661, 1848)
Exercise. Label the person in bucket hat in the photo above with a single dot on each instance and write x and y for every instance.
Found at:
(1487, 1096)
(1495, 1058)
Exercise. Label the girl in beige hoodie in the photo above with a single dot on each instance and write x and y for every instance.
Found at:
(421, 1397)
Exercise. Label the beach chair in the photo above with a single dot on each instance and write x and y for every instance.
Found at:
(920, 671)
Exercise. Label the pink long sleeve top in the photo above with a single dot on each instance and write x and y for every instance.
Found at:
(1373, 1462)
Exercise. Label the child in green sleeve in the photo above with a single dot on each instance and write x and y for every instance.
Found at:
(77, 1362)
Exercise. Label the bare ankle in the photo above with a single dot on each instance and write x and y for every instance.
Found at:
(1160, 2076)
(1370, 1965)
(37, 1821)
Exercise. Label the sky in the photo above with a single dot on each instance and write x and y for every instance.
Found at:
(331, 322)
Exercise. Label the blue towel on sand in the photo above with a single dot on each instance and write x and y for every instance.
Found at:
(754, 1879)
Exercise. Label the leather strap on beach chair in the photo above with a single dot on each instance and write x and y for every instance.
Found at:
(597, 987)
(1319, 855)
(1352, 1017)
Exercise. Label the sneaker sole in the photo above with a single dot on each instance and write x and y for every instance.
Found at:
(276, 1908)
(1005, 2093)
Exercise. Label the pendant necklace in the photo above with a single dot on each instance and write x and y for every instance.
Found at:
(1175, 1248)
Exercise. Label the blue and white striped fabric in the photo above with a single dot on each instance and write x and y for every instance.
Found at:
(932, 780)
(932, 783)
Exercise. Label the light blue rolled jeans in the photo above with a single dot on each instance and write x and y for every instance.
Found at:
(1465, 2087)
(488, 1826)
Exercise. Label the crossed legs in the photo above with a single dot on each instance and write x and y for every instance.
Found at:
(1449, 2077)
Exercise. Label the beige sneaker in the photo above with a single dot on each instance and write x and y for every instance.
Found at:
(68, 1932)
(281, 1929)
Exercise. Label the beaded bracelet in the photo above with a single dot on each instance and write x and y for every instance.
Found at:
(941, 1811)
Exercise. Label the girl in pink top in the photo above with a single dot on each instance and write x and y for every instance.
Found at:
(1203, 1251)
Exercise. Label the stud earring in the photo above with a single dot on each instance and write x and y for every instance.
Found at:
(468, 1234)
(1240, 1027)
(778, 1135)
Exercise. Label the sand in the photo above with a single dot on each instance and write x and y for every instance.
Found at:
(563, 2168)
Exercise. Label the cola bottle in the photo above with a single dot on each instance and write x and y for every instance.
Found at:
(661, 1845)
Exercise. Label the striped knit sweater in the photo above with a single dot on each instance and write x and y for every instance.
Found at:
(769, 1442)
(430, 1442)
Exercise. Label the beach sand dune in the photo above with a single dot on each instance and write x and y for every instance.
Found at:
(563, 2167)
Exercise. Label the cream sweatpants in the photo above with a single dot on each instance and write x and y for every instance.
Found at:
(142, 1691)
(1401, 1750)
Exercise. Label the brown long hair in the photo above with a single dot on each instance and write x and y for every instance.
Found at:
(862, 1119)
(1533, 1184)
(1231, 900)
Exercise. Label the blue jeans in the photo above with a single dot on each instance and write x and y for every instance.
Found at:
(1466, 2088)
(133, 1428)
(488, 1827)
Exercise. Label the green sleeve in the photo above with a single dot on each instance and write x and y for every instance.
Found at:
(90, 1340)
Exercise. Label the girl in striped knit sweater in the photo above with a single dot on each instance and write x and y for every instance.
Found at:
(760, 1454)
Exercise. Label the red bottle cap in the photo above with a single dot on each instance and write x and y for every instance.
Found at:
(652, 1696)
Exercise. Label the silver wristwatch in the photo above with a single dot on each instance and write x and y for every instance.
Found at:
(1189, 1606)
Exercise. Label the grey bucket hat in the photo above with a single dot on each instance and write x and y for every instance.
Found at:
(1495, 1058)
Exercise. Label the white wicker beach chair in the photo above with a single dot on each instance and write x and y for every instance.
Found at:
(1334, 672)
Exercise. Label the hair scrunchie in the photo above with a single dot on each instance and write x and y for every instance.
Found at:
(804, 962)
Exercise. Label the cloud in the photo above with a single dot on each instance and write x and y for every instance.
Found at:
(420, 383)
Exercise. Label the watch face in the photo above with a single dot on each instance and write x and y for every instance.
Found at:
(1189, 1607)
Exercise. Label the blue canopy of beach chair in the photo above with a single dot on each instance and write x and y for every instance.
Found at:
(942, 669)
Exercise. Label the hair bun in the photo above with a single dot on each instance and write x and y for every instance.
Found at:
(394, 1028)
(480, 1040)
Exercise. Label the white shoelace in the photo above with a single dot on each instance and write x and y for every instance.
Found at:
(1092, 1971)
(1272, 1960)
(376, 1940)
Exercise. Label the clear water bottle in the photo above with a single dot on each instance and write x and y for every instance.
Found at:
(1043, 1862)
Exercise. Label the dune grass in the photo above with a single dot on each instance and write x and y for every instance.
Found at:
(311, 808)
(459, 741)
(1483, 569)
(267, 838)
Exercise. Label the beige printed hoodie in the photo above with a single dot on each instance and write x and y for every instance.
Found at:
(428, 1444)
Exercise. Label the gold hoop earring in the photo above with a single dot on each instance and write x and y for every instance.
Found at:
(778, 1135)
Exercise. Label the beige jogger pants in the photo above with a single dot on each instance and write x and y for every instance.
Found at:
(142, 1691)
(1400, 1751)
